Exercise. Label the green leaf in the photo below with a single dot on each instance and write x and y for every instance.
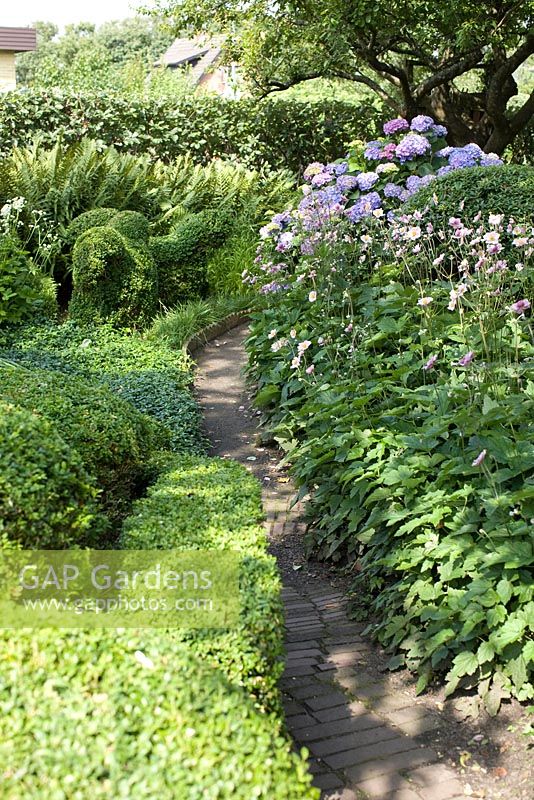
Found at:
(504, 590)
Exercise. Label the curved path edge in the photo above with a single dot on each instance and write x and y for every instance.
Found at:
(368, 734)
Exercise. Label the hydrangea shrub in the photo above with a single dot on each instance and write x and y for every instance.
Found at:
(372, 180)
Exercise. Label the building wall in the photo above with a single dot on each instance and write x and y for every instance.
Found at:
(7, 71)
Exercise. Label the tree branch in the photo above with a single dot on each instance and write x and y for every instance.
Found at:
(447, 73)
(523, 115)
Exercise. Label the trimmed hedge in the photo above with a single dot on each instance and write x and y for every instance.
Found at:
(506, 189)
(95, 218)
(133, 226)
(112, 439)
(80, 717)
(184, 728)
(152, 376)
(216, 504)
(47, 498)
(182, 256)
(113, 280)
(283, 133)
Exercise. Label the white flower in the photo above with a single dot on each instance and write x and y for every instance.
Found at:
(312, 297)
(295, 362)
(378, 212)
(293, 333)
(495, 219)
(492, 237)
(366, 239)
(520, 242)
(143, 660)
(413, 233)
(424, 301)
(303, 346)
(272, 333)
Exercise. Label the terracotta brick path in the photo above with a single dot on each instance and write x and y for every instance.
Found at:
(362, 733)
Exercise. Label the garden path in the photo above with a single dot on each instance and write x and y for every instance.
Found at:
(368, 734)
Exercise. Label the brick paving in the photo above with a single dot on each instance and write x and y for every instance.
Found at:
(362, 734)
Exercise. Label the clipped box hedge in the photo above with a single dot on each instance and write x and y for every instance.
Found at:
(112, 439)
(152, 376)
(168, 714)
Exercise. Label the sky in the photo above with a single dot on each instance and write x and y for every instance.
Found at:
(64, 12)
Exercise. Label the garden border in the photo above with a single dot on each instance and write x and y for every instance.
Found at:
(205, 335)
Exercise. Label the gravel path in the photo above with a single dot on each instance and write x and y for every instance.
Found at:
(368, 734)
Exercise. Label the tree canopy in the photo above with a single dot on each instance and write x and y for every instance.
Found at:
(455, 61)
(88, 58)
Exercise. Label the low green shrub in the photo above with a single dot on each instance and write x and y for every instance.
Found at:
(95, 218)
(504, 190)
(113, 281)
(24, 292)
(47, 498)
(132, 225)
(157, 394)
(216, 504)
(113, 440)
(153, 375)
(175, 730)
(167, 713)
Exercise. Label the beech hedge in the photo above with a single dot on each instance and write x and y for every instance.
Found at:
(282, 133)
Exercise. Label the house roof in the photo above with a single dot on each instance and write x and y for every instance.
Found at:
(201, 53)
(18, 40)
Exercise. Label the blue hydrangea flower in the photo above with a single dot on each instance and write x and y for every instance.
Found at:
(340, 169)
(422, 124)
(392, 190)
(393, 126)
(373, 151)
(413, 183)
(347, 182)
(283, 219)
(461, 158)
(411, 146)
(440, 130)
(366, 180)
(444, 171)
(490, 160)
(445, 152)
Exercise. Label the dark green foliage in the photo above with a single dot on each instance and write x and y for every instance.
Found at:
(132, 225)
(156, 394)
(95, 218)
(113, 440)
(182, 256)
(504, 190)
(24, 292)
(47, 499)
(280, 132)
(113, 281)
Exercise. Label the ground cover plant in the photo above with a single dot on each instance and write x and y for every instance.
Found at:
(393, 363)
